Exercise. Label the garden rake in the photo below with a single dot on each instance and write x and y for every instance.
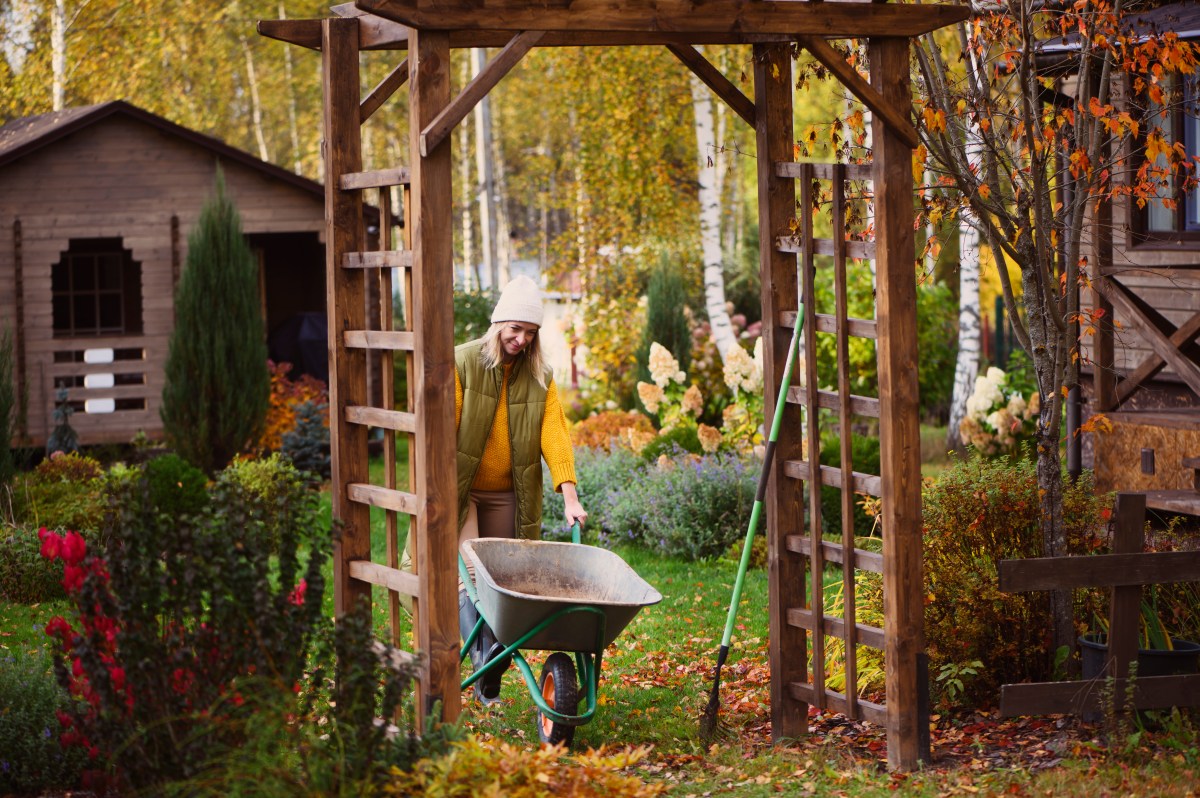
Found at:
(708, 721)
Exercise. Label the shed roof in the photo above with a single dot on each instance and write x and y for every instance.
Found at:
(24, 136)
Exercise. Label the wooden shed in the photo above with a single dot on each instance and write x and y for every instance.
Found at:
(96, 204)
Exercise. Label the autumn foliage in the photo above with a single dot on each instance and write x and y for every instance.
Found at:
(287, 395)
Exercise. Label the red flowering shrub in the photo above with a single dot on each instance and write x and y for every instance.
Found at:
(176, 626)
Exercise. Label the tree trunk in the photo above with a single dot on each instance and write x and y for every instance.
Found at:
(293, 126)
(487, 179)
(966, 366)
(58, 54)
(710, 220)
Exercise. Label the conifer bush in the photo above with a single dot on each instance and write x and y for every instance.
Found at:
(214, 404)
(666, 321)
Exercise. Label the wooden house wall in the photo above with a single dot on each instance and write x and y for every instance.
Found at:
(120, 178)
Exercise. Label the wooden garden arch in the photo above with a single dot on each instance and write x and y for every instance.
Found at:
(428, 29)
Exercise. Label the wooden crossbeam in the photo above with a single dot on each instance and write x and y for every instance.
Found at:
(388, 259)
(835, 20)
(383, 498)
(1091, 696)
(896, 118)
(834, 626)
(383, 91)
(376, 178)
(398, 340)
(395, 420)
(832, 476)
(436, 131)
(863, 250)
(823, 171)
(859, 328)
(835, 552)
(865, 406)
(1183, 335)
(870, 711)
(391, 578)
(712, 77)
(1098, 570)
(1151, 329)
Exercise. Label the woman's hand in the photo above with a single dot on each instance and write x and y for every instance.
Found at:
(573, 510)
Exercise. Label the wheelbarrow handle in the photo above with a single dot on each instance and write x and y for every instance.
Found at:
(575, 532)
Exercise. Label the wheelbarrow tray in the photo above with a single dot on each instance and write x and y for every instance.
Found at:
(520, 583)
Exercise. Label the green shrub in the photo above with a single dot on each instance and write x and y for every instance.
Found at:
(31, 759)
(689, 506)
(270, 486)
(473, 313)
(25, 576)
(684, 437)
(976, 514)
(176, 635)
(63, 492)
(175, 486)
(864, 453)
(666, 319)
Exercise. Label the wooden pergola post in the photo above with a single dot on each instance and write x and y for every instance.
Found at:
(776, 210)
(899, 417)
(436, 526)
(345, 289)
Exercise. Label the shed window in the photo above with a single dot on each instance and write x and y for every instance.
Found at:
(1175, 213)
(97, 289)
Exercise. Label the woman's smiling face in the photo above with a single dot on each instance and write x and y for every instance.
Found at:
(515, 336)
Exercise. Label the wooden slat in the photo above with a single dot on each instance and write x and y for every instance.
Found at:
(784, 501)
(832, 476)
(379, 178)
(865, 406)
(899, 419)
(394, 420)
(836, 627)
(1098, 570)
(1078, 697)
(399, 341)
(824, 171)
(391, 578)
(833, 552)
(712, 77)
(859, 328)
(863, 250)
(376, 496)
(835, 20)
(394, 657)
(896, 116)
(1125, 601)
(391, 259)
(1176, 501)
(383, 91)
(436, 131)
(870, 711)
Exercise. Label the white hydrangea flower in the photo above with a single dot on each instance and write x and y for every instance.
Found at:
(663, 366)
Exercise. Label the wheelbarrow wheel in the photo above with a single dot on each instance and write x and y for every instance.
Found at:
(560, 691)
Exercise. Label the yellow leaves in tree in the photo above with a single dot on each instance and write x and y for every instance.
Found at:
(1097, 423)
(1157, 146)
(985, 192)
(920, 155)
(1079, 162)
(935, 119)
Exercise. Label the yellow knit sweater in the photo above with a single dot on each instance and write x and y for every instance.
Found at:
(495, 468)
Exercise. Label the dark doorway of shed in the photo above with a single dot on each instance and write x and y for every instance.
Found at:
(292, 285)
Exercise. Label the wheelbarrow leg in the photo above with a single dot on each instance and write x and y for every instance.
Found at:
(482, 650)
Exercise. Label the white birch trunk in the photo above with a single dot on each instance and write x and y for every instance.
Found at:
(471, 275)
(966, 367)
(710, 219)
(487, 179)
(293, 126)
(255, 103)
(58, 54)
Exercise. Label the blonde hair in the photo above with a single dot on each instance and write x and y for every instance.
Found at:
(492, 353)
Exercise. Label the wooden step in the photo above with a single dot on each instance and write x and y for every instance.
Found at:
(385, 498)
(863, 250)
(822, 171)
(391, 578)
(383, 419)
(867, 710)
(379, 178)
(865, 406)
(803, 618)
(832, 476)
(823, 322)
(396, 341)
(390, 259)
(832, 552)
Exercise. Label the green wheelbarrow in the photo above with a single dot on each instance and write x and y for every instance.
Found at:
(567, 598)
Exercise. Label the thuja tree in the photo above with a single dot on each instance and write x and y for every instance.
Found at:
(216, 395)
(1027, 155)
(666, 323)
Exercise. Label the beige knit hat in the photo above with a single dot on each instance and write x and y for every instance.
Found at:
(521, 300)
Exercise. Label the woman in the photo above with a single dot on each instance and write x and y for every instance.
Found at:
(509, 418)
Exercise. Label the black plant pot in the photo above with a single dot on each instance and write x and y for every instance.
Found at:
(1184, 658)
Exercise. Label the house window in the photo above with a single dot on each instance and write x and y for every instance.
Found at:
(1176, 216)
(96, 289)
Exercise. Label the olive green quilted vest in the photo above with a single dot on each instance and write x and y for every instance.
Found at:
(526, 407)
